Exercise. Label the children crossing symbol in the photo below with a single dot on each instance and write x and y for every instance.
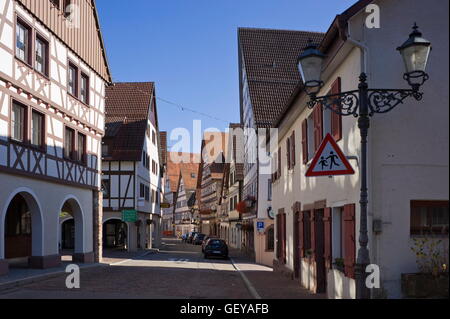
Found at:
(329, 160)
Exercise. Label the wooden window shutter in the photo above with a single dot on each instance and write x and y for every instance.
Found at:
(328, 240)
(336, 119)
(283, 238)
(279, 163)
(293, 149)
(318, 126)
(313, 234)
(278, 236)
(349, 240)
(288, 153)
(301, 232)
(305, 141)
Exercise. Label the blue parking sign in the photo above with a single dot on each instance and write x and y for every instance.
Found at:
(260, 225)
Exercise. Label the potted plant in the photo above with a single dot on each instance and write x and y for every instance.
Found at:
(432, 261)
(339, 264)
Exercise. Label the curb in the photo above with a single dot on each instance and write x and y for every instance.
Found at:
(21, 282)
(247, 282)
(37, 278)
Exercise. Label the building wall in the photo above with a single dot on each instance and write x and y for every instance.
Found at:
(408, 147)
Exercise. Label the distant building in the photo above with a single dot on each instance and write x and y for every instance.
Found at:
(267, 77)
(132, 173)
(185, 212)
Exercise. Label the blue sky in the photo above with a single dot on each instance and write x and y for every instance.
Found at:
(189, 48)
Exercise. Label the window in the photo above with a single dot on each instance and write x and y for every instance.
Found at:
(147, 193)
(193, 175)
(73, 80)
(106, 188)
(269, 190)
(67, 8)
(154, 137)
(55, 3)
(81, 148)
(429, 217)
(69, 143)
(41, 57)
(270, 238)
(105, 150)
(23, 42)
(18, 122)
(37, 129)
(142, 191)
(337, 233)
(144, 159)
(153, 196)
(84, 88)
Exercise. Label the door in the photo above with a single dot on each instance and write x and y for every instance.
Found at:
(321, 283)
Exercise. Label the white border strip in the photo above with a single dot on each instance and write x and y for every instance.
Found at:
(247, 282)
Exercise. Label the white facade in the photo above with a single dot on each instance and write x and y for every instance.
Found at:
(408, 147)
(42, 175)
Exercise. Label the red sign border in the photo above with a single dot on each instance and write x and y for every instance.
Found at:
(329, 139)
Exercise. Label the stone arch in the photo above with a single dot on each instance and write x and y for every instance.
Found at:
(37, 223)
(71, 205)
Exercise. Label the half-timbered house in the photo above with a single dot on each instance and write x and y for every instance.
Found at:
(132, 179)
(53, 73)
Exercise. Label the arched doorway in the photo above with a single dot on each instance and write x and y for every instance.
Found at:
(71, 230)
(68, 234)
(23, 232)
(115, 234)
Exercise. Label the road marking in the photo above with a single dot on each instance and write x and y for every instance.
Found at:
(247, 282)
(131, 259)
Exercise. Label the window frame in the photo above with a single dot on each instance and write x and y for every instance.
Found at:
(425, 230)
(29, 49)
(86, 99)
(24, 128)
(43, 130)
(83, 157)
(72, 155)
(71, 65)
(46, 62)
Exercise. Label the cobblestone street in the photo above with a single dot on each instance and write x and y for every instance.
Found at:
(177, 271)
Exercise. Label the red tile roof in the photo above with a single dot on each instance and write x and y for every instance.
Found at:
(127, 109)
(174, 167)
(270, 61)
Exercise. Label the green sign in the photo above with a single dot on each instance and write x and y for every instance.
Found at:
(129, 215)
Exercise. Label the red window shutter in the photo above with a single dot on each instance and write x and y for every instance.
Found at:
(283, 249)
(336, 119)
(279, 163)
(313, 234)
(318, 126)
(301, 234)
(293, 149)
(305, 141)
(349, 240)
(327, 234)
(278, 236)
(288, 153)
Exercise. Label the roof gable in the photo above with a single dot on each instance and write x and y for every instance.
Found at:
(270, 60)
(85, 40)
(127, 113)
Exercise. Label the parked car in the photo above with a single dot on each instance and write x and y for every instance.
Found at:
(184, 237)
(191, 237)
(198, 239)
(205, 241)
(216, 247)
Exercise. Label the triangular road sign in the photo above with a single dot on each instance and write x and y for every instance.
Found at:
(329, 160)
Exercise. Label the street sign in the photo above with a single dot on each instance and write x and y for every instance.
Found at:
(165, 205)
(260, 226)
(129, 215)
(329, 160)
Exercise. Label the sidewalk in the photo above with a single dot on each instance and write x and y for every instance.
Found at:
(267, 283)
(20, 276)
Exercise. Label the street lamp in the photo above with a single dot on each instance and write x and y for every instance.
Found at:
(362, 104)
